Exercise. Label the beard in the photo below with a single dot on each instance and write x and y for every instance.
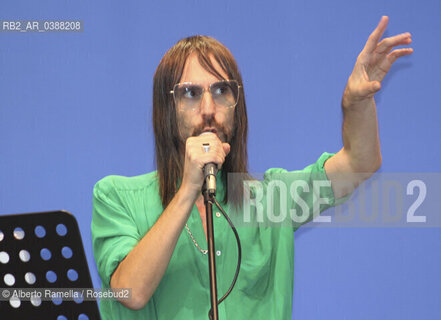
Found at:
(224, 134)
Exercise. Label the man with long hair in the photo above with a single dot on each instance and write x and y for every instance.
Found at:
(149, 232)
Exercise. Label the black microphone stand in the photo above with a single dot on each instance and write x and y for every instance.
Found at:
(208, 200)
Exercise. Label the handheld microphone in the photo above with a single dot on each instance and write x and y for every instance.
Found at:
(210, 171)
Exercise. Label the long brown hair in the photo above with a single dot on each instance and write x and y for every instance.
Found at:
(167, 143)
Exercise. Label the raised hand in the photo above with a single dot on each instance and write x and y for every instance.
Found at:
(373, 63)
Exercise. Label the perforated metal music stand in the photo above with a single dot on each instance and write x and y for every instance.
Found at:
(43, 250)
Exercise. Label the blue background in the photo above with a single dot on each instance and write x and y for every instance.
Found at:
(77, 107)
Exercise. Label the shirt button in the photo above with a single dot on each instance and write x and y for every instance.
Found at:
(218, 252)
(218, 214)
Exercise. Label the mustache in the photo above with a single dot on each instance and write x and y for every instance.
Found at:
(210, 124)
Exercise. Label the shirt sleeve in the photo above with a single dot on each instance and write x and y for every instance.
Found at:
(114, 232)
(309, 191)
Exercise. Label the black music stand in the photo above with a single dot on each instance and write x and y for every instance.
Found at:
(43, 250)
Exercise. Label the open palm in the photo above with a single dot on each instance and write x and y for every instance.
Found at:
(374, 62)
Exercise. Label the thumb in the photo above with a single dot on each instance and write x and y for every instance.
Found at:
(373, 87)
(368, 89)
(226, 147)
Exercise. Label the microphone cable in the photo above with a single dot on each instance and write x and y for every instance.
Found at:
(239, 256)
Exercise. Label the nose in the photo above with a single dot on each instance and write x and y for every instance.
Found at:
(208, 107)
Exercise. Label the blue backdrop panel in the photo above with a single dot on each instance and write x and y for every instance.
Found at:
(75, 107)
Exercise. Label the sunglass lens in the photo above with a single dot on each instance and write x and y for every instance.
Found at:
(188, 95)
(225, 93)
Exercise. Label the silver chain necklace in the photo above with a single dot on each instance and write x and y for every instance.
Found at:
(194, 241)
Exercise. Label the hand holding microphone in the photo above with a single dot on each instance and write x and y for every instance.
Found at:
(204, 155)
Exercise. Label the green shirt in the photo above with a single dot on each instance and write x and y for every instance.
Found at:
(124, 209)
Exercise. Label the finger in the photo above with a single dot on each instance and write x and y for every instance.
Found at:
(218, 150)
(217, 159)
(203, 159)
(215, 148)
(394, 55)
(212, 141)
(205, 137)
(376, 35)
(207, 134)
(387, 44)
